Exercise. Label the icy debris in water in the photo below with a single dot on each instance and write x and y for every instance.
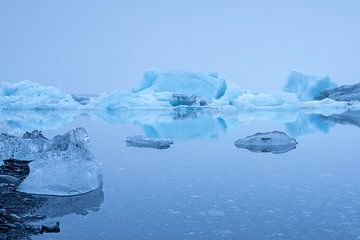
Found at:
(275, 142)
(60, 166)
(181, 99)
(307, 87)
(345, 93)
(146, 142)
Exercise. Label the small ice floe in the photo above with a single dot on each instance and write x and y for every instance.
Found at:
(275, 142)
(146, 142)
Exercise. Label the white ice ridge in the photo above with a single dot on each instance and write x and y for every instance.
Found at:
(169, 89)
(62, 165)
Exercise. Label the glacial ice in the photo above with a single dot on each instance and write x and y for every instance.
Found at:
(208, 86)
(146, 142)
(306, 86)
(60, 166)
(166, 90)
(345, 93)
(32, 96)
(275, 142)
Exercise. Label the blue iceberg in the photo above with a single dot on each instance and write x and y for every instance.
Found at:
(204, 85)
(307, 87)
(32, 96)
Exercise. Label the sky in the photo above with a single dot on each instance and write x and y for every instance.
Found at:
(91, 47)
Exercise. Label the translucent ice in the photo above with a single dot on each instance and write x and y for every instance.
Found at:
(189, 83)
(60, 166)
(30, 95)
(275, 142)
(307, 87)
(146, 142)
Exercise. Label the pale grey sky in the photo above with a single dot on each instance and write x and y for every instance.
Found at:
(95, 46)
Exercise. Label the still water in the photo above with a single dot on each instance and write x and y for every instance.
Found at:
(203, 187)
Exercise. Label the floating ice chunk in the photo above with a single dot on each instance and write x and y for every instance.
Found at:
(275, 142)
(307, 87)
(32, 96)
(34, 146)
(146, 142)
(203, 85)
(60, 166)
(61, 177)
(344, 93)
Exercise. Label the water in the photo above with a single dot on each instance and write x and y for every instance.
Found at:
(203, 187)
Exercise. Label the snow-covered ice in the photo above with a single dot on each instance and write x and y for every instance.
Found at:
(275, 142)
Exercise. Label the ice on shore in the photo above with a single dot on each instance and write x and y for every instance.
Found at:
(275, 142)
(146, 142)
(62, 165)
(306, 86)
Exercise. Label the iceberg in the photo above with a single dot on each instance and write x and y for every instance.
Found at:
(59, 166)
(275, 142)
(345, 93)
(32, 96)
(146, 142)
(307, 87)
(203, 85)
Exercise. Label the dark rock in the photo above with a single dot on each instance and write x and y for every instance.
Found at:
(34, 135)
(181, 99)
(50, 228)
(345, 93)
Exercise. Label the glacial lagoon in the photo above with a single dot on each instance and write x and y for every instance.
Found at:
(165, 161)
(203, 186)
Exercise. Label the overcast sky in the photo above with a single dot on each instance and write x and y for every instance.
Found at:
(95, 46)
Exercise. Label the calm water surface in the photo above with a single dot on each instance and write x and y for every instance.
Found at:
(203, 187)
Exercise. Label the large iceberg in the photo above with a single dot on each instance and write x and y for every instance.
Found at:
(32, 96)
(306, 86)
(170, 89)
(60, 166)
(204, 85)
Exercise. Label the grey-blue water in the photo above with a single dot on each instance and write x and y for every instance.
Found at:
(203, 187)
